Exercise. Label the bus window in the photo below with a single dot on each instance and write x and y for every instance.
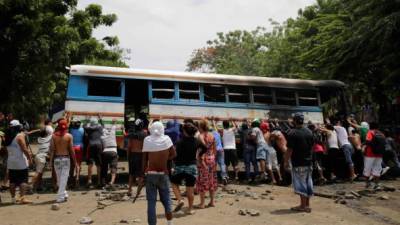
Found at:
(262, 95)
(214, 93)
(163, 89)
(104, 87)
(308, 98)
(189, 91)
(239, 94)
(285, 97)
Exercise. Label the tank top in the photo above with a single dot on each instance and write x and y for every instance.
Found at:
(333, 140)
(16, 157)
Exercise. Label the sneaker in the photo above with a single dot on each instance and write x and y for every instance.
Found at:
(225, 181)
(61, 200)
(384, 170)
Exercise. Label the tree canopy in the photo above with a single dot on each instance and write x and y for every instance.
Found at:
(38, 40)
(353, 41)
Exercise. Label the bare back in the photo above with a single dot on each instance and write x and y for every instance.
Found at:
(157, 161)
(135, 145)
(62, 144)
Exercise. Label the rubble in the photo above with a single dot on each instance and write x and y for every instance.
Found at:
(137, 220)
(55, 207)
(388, 188)
(123, 221)
(85, 220)
(383, 197)
(242, 212)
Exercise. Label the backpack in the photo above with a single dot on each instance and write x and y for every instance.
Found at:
(378, 143)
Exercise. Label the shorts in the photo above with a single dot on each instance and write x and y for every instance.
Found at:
(94, 154)
(231, 157)
(135, 164)
(261, 153)
(272, 160)
(348, 152)
(40, 162)
(302, 181)
(372, 166)
(109, 160)
(177, 179)
(17, 177)
(78, 154)
(187, 173)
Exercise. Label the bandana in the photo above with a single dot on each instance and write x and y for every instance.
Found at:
(157, 141)
(62, 128)
(264, 127)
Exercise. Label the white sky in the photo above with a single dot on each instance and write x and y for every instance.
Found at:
(163, 33)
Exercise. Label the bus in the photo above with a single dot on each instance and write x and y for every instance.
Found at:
(122, 93)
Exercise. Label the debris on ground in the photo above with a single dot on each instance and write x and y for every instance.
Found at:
(383, 197)
(85, 220)
(55, 207)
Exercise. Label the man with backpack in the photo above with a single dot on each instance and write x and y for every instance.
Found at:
(375, 147)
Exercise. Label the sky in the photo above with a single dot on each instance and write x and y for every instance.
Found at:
(162, 34)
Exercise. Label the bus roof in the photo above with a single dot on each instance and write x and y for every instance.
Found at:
(129, 73)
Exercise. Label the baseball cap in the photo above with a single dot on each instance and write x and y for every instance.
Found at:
(15, 123)
(298, 118)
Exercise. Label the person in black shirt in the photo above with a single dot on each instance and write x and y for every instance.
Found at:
(300, 143)
(93, 132)
(185, 166)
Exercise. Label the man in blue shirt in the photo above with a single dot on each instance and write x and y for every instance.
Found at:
(77, 133)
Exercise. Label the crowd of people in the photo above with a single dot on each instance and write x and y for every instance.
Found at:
(199, 154)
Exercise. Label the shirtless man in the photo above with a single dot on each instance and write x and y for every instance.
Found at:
(135, 155)
(61, 151)
(157, 149)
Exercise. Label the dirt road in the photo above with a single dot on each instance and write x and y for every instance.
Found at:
(273, 208)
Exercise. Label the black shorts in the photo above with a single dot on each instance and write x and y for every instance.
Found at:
(94, 154)
(135, 164)
(177, 179)
(108, 160)
(17, 177)
(231, 157)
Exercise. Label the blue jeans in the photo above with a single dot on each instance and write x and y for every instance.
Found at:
(221, 163)
(348, 152)
(302, 181)
(154, 183)
(249, 156)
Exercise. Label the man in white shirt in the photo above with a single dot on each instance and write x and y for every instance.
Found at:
(346, 147)
(229, 144)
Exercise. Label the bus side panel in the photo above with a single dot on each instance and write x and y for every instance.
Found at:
(200, 112)
(109, 111)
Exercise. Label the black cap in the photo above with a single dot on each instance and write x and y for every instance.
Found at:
(298, 118)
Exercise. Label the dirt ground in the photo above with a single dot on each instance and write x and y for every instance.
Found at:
(273, 207)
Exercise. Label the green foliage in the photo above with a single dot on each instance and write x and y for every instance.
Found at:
(38, 40)
(353, 41)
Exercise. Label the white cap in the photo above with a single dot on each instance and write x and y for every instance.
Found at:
(15, 123)
(94, 121)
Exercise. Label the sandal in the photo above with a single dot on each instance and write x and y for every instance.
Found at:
(210, 205)
(199, 207)
(301, 209)
(179, 206)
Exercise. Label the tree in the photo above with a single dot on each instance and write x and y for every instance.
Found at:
(38, 40)
(353, 41)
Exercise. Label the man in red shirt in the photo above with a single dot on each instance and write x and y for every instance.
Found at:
(372, 160)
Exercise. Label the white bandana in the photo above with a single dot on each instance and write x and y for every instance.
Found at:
(157, 141)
